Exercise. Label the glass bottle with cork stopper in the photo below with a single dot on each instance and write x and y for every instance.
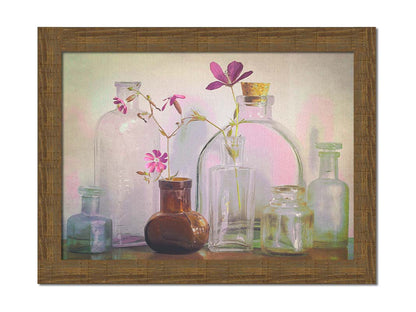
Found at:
(269, 147)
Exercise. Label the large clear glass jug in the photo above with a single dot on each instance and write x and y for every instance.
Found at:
(121, 142)
(269, 148)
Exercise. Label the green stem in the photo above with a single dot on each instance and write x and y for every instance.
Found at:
(222, 131)
(238, 188)
(237, 111)
(167, 149)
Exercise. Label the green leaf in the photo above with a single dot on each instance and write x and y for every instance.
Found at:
(233, 153)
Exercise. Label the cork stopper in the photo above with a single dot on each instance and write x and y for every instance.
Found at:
(255, 88)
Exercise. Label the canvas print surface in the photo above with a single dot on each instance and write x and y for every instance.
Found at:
(208, 155)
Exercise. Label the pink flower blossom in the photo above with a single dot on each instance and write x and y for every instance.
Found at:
(172, 101)
(228, 78)
(156, 161)
(122, 107)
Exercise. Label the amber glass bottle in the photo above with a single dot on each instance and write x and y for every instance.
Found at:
(176, 228)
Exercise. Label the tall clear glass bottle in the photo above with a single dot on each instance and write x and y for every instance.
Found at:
(121, 141)
(287, 223)
(269, 148)
(89, 232)
(328, 198)
(231, 202)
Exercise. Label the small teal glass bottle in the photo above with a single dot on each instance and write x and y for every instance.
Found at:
(328, 197)
(88, 232)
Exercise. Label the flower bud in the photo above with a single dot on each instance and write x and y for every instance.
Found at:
(131, 98)
(178, 107)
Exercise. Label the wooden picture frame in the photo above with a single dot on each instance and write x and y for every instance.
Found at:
(52, 42)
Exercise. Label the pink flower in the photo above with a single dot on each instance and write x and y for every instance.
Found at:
(228, 78)
(172, 101)
(156, 161)
(122, 107)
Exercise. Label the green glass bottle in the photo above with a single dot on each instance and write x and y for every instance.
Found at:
(328, 198)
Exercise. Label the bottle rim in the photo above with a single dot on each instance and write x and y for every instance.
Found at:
(175, 184)
(90, 191)
(127, 84)
(249, 100)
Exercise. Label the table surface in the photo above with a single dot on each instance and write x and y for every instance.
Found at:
(145, 253)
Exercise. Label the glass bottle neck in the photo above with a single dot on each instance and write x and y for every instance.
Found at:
(255, 107)
(90, 205)
(329, 165)
(232, 151)
(175, 196)
(287, 195)
(123, 93)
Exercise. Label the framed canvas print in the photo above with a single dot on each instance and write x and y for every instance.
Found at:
(207, 155)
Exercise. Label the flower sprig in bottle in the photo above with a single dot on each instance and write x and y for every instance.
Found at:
(157, 162)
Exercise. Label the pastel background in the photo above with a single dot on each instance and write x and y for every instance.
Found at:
(313, 91)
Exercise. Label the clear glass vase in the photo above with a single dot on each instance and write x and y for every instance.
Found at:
(89, 232)
(121, 141)
(287, 223)
(231, 200)
(328, 197)
(269, 148)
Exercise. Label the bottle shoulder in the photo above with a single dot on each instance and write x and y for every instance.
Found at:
(327, 182)
(327, 188)
(287, 209)
(116, 122)
(82, 217)
(229, 168)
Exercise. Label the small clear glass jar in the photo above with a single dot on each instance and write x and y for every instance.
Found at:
(287, 223)
(88, 232)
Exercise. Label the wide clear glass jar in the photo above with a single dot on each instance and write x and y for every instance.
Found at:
(328, 197)
(287, 223)
(269, 148)
(88, 231)
(231, 200)
(121, 142)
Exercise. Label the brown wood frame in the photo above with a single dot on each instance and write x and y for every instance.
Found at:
(52, 42)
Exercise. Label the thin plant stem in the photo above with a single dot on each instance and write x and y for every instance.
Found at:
(222, 131)
(167, 149)
(237, 110)
(233, 157)
(161, 129)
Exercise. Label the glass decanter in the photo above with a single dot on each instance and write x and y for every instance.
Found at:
(88, 232)
(287, 223)
(328, 198)
(121, 141)
(231, 200)
(269, 148)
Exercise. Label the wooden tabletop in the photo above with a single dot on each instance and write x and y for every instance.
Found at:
(145, 253)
